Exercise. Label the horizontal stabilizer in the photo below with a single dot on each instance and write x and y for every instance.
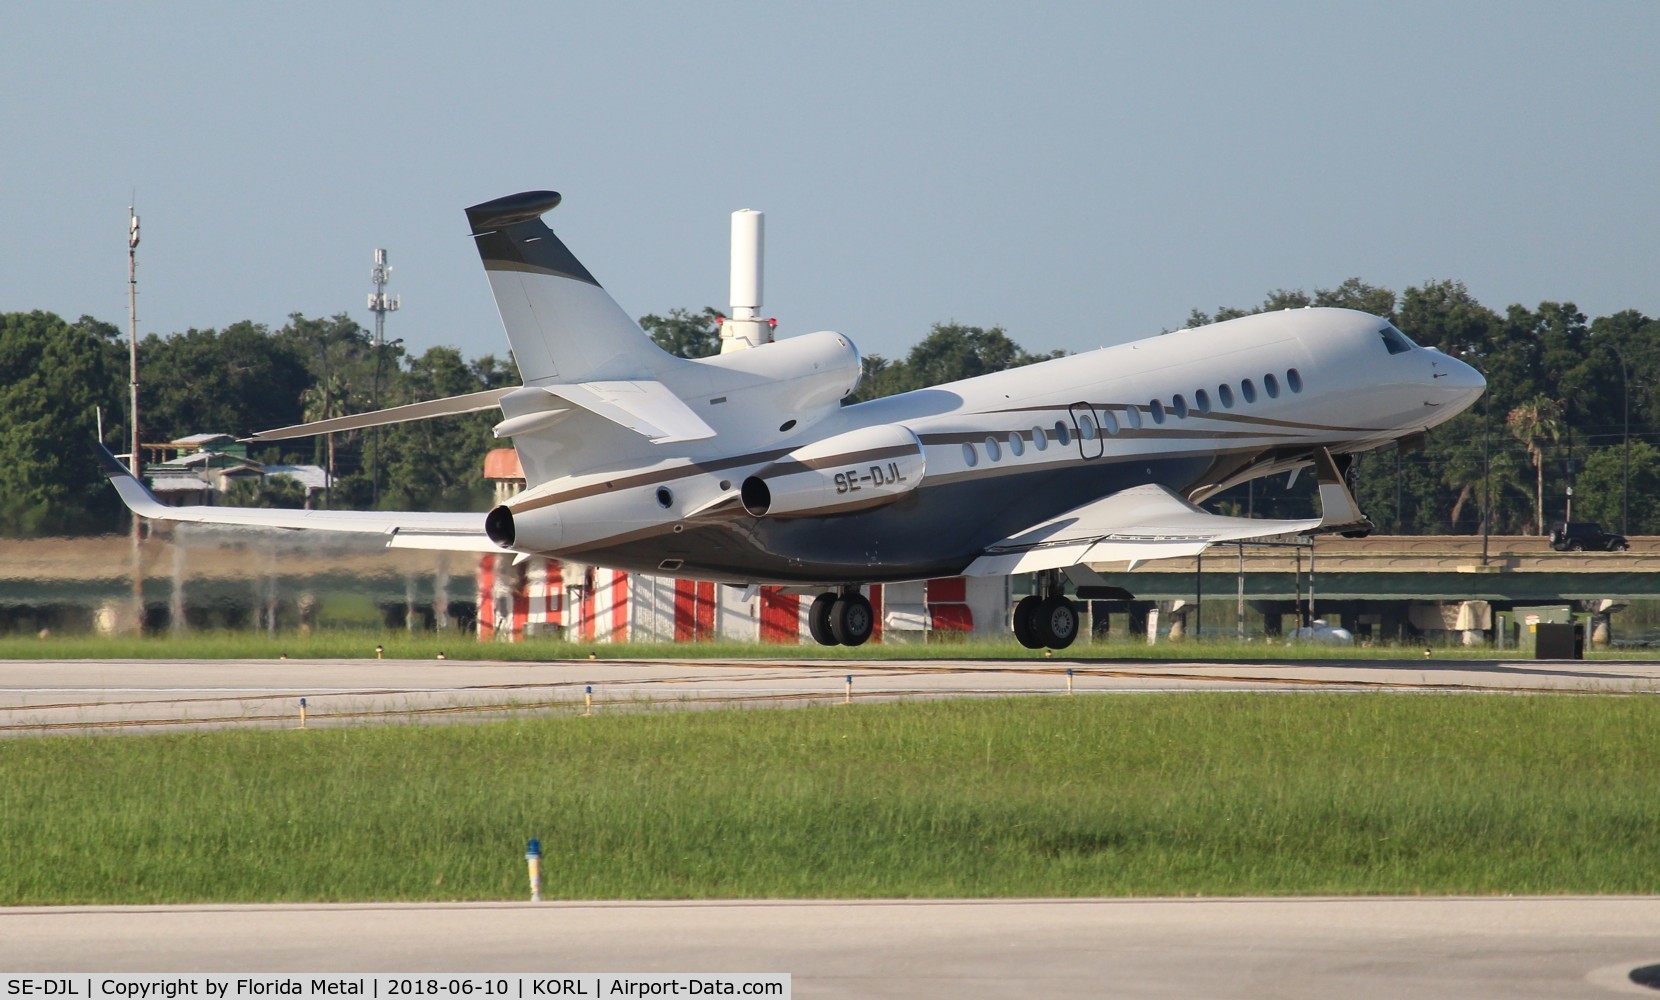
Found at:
(1133, 525)
(404, 529)
(650, 409)
(472, 402)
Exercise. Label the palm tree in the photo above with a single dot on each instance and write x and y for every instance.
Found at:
(327, 398)
(1536, 423)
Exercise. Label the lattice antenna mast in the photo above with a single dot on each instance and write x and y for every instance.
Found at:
(380, 305)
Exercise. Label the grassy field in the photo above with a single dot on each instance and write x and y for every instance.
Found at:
(426, 646)
(1210, 794)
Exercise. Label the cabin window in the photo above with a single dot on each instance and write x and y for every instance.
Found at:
(1294, 380)
(1017, 447)
(1086, 428)
(1156, 408)
(1201, 401)
(1224, 392)
(994, 451)
(1394, 340)
(1109, 423)
(970, 457)
(1062, 435)
(1178, 406)
(1132, 417)
(1248, 389)
(1271, 385)
(1040, 440)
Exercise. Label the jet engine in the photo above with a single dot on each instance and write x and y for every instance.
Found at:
(536, 530)
(531, 524)
(803, 377)
(857, 470)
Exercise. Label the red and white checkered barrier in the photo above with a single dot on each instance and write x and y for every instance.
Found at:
(585, 603)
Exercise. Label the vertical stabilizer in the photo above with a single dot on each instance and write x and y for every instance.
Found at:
(562, 325)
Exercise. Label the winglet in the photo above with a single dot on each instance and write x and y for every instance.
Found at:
(133, 493)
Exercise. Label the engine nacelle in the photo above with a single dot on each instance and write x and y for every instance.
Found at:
(804, 377)
(857, 470)
(598, 510)
(536, 530)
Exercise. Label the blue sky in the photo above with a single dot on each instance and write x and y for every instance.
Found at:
(1080, 173)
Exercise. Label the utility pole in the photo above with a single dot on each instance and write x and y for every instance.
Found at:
(380, 305)
(136, 459)
(1478, 359)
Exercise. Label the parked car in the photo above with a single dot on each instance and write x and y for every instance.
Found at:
(1578, 536)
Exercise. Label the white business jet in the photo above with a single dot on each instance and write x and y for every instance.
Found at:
(746, 468)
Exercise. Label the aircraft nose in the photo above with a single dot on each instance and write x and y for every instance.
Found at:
(1460, 381)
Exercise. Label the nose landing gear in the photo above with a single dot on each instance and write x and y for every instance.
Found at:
(841, 618)
(1046, 619)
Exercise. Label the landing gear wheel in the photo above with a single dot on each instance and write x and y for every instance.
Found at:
(1056, 622)
(1025, 622)
(851, 620)
(818, 620)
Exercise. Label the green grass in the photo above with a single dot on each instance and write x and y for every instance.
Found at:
(1212, 794)
(330, 644)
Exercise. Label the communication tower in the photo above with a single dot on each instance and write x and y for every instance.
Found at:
(380, 305)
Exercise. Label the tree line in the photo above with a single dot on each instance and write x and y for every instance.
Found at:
(1562, 391)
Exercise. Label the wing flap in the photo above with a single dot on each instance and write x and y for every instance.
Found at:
(1133, 525)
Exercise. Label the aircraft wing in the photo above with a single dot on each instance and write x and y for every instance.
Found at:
(403, 529)
(1133, 525)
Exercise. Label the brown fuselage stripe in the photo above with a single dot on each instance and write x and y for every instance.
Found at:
(649, 479)
(783, 467)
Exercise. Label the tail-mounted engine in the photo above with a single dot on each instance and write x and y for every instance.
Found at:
(853, 471)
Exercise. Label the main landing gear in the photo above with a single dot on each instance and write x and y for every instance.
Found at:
(841, 618)
(1046, 619)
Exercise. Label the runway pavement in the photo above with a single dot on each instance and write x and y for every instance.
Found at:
(1359, 948)
(69, 696)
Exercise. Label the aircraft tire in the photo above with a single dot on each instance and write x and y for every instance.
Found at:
(1056, 622)
(852, 620)
(818, 620)
(1025, 622)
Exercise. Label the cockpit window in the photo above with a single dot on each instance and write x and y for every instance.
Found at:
(1395, 340)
